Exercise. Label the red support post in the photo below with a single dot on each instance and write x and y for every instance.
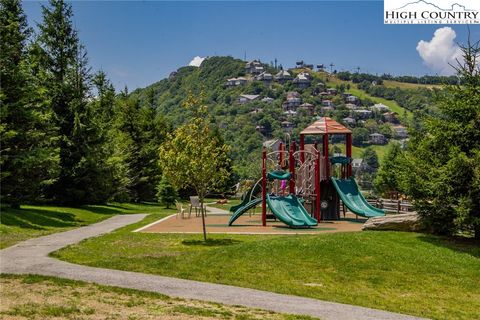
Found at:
(264, 188)
(349, 153)
(325, 154)
(281, 155)
(317, 186)
(291, 162)
(302, 148)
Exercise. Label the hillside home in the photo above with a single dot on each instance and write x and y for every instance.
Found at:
(357, 164)
(332, 91)
(246, 98)
(254, 67)
(233, 82)
(324, 94)
(293, 101)
(273, 144)
(290, 113)
(327, 103)
(351, 106)
(352, 100)
(377, 138)
(265, 77)
(260, 129)
(327, 109)
(287, 126)
(390, 117)
(363, 114)
(268, 100)
(349, 120)
(256, 111)
(380, 107)
(400, 132)
(282, 76)
(303, 80)
(308, 107)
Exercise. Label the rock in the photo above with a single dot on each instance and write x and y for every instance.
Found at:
(398, 222)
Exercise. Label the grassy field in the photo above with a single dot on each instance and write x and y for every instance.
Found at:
(404, 272)
(34, 221)
(37, 297)
(406, 85)
(357, 152)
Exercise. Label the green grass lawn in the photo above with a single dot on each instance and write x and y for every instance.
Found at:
(357, 152)
(404, 272)
(38, 297)
(34, 221)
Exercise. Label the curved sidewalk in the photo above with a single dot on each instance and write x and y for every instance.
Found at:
(31, 257)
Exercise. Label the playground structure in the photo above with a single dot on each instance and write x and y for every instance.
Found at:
(316, 181)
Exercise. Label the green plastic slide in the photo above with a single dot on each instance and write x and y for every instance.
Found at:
(353, 198)
(254, 190)
(290, 211)
(241, 210)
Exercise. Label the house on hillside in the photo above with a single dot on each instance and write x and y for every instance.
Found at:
(273, 144)
(265, 77)
(328, 103)
(349, 120)
(332, 91)
(324, 94)
(254, 67)
(287, 126)
(233, 82)
(261, 129)
(400, 132)
(293, 101)
(352, 99)
(308, 107)
(290, 113)
(268, 100)
(390, 117)
(380, 107)
(351, 106)
(357, 164)
(327, 109)
(303, 80)
(377, 138)
(282, 76)
(246, 98)
(363, 113)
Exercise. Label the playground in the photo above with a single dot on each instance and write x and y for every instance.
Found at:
(246, 224)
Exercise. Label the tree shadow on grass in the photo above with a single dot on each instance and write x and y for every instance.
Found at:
(458, 244)
(211, 242)
(103, 209)
(38, 219)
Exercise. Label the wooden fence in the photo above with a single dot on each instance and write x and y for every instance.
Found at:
(392, 206)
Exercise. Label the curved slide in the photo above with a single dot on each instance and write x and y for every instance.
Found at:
(353, 198)
(241, 209)
(287, 209)
(255, 189)
(290, 211)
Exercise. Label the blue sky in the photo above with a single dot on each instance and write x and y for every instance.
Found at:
(139, 42)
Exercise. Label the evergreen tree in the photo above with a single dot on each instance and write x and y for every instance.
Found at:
(166, 193)
(26, 155)
(442, 172)
(387, 179)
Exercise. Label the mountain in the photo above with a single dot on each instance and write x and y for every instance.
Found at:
(244, 126)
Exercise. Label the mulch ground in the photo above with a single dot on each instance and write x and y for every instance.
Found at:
(246, 224)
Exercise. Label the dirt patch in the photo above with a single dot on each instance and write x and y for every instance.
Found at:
(32, 297)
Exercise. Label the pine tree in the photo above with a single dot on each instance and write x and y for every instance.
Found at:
(166, 193)
(26, 155)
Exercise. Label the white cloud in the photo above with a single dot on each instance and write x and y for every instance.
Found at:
(441, 51)
(196, 62)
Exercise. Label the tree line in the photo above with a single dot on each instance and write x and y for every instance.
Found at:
(67, 137)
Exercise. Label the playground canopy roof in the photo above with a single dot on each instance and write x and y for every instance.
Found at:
(325, 125)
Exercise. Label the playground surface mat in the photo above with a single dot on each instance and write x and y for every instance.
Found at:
(218, 223)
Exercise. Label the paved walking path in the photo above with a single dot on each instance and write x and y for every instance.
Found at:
(31, 257)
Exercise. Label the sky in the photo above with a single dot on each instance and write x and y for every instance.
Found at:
(138, 43)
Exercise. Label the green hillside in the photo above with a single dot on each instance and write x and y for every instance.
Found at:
(245, 126)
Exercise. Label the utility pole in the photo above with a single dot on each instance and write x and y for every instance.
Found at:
(275, 63)
(331, 67)
(358, 69)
